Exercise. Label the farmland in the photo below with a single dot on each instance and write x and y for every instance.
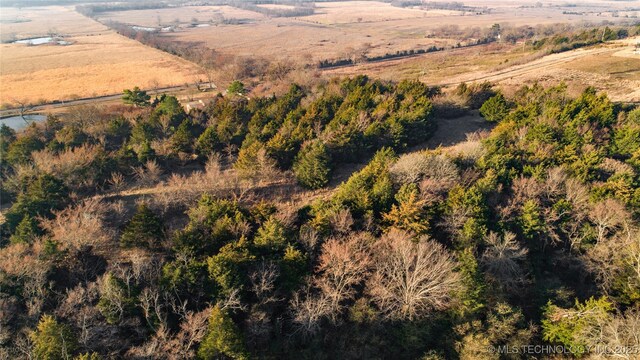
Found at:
(96, 62)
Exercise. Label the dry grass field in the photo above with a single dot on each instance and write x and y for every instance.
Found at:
(23, 23)
(303, 41)
(98, 61)
(342, 12)
(337, 28)
(181, 15)
(613, 68)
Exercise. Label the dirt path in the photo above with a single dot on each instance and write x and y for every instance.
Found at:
(84, 101)
(531, 67)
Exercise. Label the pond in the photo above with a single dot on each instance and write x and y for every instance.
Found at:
(41, 41)
(143, 28)
(17, 123)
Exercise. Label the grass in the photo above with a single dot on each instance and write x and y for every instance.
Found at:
(168, 16)
(97, 63)
(40, 21)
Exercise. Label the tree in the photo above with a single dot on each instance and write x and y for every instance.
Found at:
(495, 109)
(271, 235)
(19, 151)
(575, 327)
(208, 142)
(312, 166)
(409, 213)
(145, 152)
(43, 195)
(531, 219)
(182, 139)
(237, 88)
(26, 232)
(413, 276)
(229, 267)
(136, 97)
(223, 338)
(343, 265)
(7, 136)
(52, 340)
(144, 229)
(501, 260)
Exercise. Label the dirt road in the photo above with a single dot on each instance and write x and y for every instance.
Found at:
(531, 67)
(84, 101)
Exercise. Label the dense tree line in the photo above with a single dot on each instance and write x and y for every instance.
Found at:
(528, 235)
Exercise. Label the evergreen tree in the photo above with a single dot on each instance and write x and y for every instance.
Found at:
(236, 87)
(44, 194)
(19, 152)
(208, 142)
(52, 340)
(312, 166)
(223, 339)
(271, 235)
(136, 97)
(495, 109)
(182, 138)
(7, 136)
(144, 229)
(26, 232)
(409, 213)
(531, 219)
(146, 152)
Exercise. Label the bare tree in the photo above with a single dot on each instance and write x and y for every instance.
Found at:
(501, 260)
(617, 257)
(23, 108)
(608, 216)
(263, 282)
(308, 310)
(342, 266)
(413, 276)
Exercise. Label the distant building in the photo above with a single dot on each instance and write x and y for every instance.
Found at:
(198, 104)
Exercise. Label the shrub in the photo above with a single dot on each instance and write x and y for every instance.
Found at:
(411, 168)
(495, 109)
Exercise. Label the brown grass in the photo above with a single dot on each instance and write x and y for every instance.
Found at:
(168, 16)
(92, 65)
(39, 21)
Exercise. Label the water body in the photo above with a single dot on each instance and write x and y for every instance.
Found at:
(41, 41)
(17, 123)
(142, 28)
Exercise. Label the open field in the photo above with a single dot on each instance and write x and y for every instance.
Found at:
(341, 29)
(180, 15)
(98, 61)
(366, 11)
(302, 41)
(612, 67)
(24, 23)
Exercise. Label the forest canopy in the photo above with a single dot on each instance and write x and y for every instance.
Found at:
(232, 232)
